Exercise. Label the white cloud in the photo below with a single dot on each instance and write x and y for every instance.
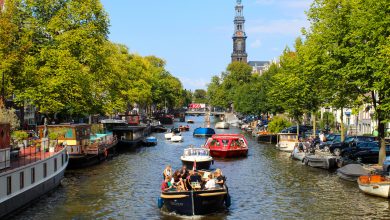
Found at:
(256, 44)
(283, 26)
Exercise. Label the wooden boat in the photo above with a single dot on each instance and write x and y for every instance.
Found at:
(184, 128)
(150, 141)
(166, 119)
(287, 141)
(84, 149)
(222, 125)
(227, 145)
(352, 172)
(200, 156)
(320, 161)
(375, 185)
(28, 174)
(195, 202)
(203, 132)
(190, 121)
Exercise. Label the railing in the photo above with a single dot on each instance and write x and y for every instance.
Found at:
(28, 155)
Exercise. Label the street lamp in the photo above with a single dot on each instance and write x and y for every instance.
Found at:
(327, 109)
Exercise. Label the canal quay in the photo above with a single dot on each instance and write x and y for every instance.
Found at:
(266, 184)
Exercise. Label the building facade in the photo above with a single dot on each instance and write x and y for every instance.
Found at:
(239, 37)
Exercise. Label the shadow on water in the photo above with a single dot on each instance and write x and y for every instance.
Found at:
(265, 185)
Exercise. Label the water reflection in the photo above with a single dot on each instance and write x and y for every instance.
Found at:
(265, 185)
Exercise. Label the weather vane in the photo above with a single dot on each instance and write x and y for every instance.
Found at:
(239, 2)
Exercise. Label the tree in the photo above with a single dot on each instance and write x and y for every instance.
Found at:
(200, 96)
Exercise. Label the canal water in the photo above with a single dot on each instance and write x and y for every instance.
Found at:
(265, 185)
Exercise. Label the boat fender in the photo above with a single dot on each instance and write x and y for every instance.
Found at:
(228, 200)
(160, 202)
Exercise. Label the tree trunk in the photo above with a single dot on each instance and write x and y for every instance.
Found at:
(297, 131)
(314, 125)
(342, 128)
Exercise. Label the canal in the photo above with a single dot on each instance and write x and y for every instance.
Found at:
(265, 185)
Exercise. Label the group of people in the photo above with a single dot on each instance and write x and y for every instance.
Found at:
(184, 179)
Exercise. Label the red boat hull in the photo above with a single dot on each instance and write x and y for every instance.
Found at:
(229, 153)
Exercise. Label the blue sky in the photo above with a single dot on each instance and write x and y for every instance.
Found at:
(195, 37)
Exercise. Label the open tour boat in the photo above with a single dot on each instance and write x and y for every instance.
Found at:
(227, 145)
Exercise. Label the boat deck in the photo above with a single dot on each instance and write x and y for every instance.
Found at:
(27, 156)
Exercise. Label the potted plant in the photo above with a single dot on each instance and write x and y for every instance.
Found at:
(53, 137)
(19, 136)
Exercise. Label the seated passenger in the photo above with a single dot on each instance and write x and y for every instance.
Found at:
(183, 172)
(195, 179)
(210, 182)
(178, 182)
(220, 178)
(167, 172)
(164, 185)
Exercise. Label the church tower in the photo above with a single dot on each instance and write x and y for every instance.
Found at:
(239, 36)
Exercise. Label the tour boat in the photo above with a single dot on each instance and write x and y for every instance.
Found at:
(27, 174)
(199, 158)
(227, 145)
(320, 161)
(84, 148)
(222, 125)
(196, 201)
(150, 141)
(375, 185)
(203, 132)
(352, 172)
(287, 141)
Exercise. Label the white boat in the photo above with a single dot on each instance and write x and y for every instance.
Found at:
(375, 185)
(320, 161)
(222, 125)
(287, 141)
(200, 155)
(168, 136)
(298, 155)
(28, 173)
(177, 138)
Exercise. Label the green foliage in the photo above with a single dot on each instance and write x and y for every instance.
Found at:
(9, 116)
(19, 135)
(277, 124)
(200, 96)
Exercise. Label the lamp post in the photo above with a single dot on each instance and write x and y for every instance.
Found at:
(327, 109)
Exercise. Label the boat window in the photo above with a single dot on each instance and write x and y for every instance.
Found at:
(21, 180)
(44, 170)
(69, 133)
(225, 142)
(9, 185)
(55, 164)
(32, 175)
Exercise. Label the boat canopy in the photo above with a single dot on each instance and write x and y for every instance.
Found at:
(196, 152)
(288, 137)
(227, 141)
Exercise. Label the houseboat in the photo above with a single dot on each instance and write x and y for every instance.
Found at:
(227, 145)
(198, 158)
(287, 141)
(131, 134)
(29, 173)
(84, 148)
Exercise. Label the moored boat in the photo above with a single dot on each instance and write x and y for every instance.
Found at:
(222, 125)
(320, 161)
(352, 172)
(203, 132)
(200, 156)
(150, 141)
(190, 121)
(184, 128)
(287, 141)
(227, 145)
(375, 185)
(31, 173)
(177, 138)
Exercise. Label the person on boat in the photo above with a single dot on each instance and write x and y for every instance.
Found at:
(220, 178)
(210, 184)
(164, 185)
(183, 172)
(178, 182)
(195, 180)
(167, 172)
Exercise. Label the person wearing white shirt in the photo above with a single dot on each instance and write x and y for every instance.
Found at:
(210, 182)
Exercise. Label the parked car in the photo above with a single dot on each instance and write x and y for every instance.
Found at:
(360, 146)
(369, 156)
(336, 148)
(330, 139)
(386, 165)
(293, 129)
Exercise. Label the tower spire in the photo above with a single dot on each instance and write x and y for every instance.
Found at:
(239, 36)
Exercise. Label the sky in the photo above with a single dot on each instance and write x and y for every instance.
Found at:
(195, 37)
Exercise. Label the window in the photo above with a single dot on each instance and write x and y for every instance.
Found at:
(9, 185)
(44, 170)
(55, 164)
(21, 180)
(62, 159)
(32, 175)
